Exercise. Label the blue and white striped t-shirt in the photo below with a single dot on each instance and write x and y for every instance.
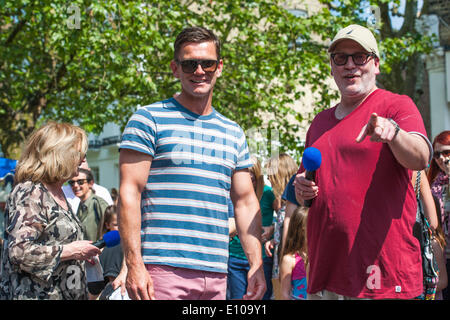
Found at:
(184, 205)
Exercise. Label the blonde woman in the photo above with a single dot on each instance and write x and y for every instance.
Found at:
(238, 265)
(279, 170)
(43, 255)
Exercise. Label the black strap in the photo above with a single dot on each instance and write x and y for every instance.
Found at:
(417, 185)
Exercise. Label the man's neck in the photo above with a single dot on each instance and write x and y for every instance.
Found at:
(86, 196)
(198, 105)
(348, 104)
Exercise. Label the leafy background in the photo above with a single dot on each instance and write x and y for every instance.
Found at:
(118, 58)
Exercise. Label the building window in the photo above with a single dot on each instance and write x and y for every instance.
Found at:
(96, 173)
(300, 14)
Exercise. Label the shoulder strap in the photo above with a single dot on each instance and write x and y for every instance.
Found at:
(417, 185)
(420, 216)
(420, 210)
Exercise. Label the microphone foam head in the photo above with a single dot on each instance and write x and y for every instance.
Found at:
(111, 238)
(312, 159)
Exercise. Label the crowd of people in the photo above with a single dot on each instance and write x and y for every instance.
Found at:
(202, 221)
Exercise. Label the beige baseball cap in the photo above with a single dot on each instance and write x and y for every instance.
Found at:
(359, 34)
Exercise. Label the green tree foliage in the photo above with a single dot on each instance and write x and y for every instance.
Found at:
(94, 62)
(401, 46)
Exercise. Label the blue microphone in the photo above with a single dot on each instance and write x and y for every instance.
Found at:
(312, 159)
(110, 239)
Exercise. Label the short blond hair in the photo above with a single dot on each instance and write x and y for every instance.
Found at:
(280, 169)
(52, 153)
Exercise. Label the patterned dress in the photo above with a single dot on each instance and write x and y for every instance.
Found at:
(298, 279)
(440, 188)
(36, 228)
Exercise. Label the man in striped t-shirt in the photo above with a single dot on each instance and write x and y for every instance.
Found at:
(180, 160)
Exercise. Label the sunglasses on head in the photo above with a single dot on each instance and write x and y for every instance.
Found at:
(80, 182)
(359, 58)
(437, 154)
(190, 66)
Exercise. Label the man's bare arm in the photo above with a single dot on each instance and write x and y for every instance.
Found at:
(134, 170)
(248, 224)
(410, 150)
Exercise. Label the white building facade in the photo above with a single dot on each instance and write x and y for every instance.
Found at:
(103, 156)
(438, 66)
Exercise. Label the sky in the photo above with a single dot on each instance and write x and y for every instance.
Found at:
(396, 21)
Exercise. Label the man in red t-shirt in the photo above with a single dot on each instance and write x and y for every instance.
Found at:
(360, 241)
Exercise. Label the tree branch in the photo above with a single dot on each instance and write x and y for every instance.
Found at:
(15, 31)
(386, 28)
(425, 8)
(409, 17)
(38, 101)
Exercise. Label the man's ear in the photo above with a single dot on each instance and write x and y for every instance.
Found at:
(376, 62)
(174, 67)
(219, 68)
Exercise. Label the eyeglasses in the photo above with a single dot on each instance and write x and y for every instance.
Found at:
(79, 182)
(190, 66)
(437, 154)
(359, 58)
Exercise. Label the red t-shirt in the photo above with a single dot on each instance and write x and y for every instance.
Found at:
(359, 231)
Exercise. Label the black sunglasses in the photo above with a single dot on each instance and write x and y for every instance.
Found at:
(190, 66)
(359, 58)
(437, 154)
(80, 182)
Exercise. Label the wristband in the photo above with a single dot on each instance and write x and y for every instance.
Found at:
(397, 128)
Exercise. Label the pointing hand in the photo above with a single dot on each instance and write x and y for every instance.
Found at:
(378, 128)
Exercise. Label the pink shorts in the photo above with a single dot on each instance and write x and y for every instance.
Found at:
(171, 283)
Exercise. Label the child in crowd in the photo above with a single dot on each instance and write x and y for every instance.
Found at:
(293, 265)
(110, 219)
(110, 258)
